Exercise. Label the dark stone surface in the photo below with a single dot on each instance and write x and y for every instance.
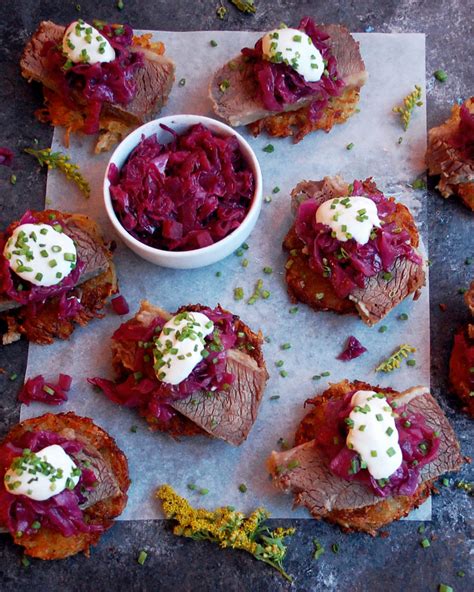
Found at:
(395, 563)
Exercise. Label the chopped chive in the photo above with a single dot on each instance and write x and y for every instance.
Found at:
(182, 82)
(275, 189)
(213, 43)
(134, 429)
(440, 75)
(285, 346)
(53, 263)
(242, 488)
(279, 364)
(325, 374)
(411, 362)
(267, 270)
(142, 557)
(274, 397)
(383, 328)
(391, 452)
(403, 316)
(203, 491)
(283, 373)
(13, 376)
(218, 273)
(269, 148)
(350, 146)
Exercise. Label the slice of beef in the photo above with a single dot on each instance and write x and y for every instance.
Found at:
(379, 296)
(240, 104)
(107, 485)
(320, 191)
(154, 80)
(89, 249)
(304, 471)
(454, 165)
(229, 416)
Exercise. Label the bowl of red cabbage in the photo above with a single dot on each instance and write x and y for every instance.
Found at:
(183, 191)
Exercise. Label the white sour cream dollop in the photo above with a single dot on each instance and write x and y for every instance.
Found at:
(373, 434)
(296, 49)
(42, 474)
(349, 217)
(180, 345)
(84, 44)
(41, 254)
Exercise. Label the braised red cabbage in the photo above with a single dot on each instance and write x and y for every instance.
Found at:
(120, 305)
(280, 84)
(91, 85)
(37, 389)
(61, 512)
(418, 442)
(143, 390)
(6, 156)
(33, 296)
(348, 264)
(187, 194)
(353, 349)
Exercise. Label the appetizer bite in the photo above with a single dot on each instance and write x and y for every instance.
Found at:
(450, 153)
(365, 456)
(292, 82)
(63, 481)
(351, 249)
(97, 78)
(197, 371)
(56, 271)
(461, 363)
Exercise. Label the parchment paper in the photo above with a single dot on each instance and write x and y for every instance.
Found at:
(395, 64)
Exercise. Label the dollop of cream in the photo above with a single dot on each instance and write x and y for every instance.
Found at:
(373, 434)
(296, 49)
(43, 474)
(180, 346)
(349, 217)
(84, 44)
(40, 254)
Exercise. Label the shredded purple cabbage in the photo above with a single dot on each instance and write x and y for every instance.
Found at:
(280, 85)
(6, 156)
(37, 389)
(353, 349)
(348, 264)
(187, 194)
(149, 394)
(418, 442)
(94, 84)
(61, 512)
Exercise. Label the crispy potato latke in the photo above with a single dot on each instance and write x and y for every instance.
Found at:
(50, 544)
(312, 288)
(299, 123)
(369, 518)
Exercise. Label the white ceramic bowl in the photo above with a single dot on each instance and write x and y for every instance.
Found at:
(196, 257)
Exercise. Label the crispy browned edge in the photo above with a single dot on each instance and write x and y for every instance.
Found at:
(298, 123)
(47, 543)
(179, 425)
(465, 191)
(303, 283)
(46, 326)
(369, 518)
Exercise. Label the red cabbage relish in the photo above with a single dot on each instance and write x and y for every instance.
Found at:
(187, 194)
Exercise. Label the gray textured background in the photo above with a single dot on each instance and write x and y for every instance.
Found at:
(394, 563)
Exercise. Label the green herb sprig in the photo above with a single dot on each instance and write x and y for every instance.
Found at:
(61, 161)
(228, 528)
(247, 6)
(395, 359)
(409, 103)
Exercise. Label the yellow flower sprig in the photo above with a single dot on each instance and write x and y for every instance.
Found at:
(396, 358)
(228, 528)
(61, 161)
(409, 103)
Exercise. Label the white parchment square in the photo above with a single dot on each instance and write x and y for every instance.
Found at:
(395, 62)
